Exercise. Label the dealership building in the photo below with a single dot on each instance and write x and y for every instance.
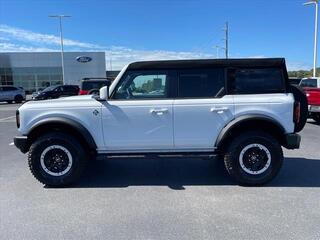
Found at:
(37, 70)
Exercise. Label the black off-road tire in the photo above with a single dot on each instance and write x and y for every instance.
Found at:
(300, 96)
(232, 158)
(18, 99)
(79, 159)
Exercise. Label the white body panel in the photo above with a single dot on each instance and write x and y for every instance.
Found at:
(78, 108)
(137, 125)
(278, 106)
(198, 122)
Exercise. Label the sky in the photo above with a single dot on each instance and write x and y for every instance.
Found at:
(168, 29)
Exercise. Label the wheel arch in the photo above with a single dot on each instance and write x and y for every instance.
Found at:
(65, 125)
(247, 123)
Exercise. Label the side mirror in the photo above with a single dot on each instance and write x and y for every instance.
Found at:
(104, 91)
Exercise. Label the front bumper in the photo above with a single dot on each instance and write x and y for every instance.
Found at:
(22, 143)
(292, 141)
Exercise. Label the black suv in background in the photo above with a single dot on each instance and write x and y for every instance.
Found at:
(92, 85)
(56, 92)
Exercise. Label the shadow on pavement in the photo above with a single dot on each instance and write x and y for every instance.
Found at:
(177, 173)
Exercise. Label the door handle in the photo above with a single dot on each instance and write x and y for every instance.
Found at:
(160, 111)
(218, 109)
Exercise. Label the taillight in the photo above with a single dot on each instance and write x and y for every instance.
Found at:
(83, 92)
(18, 118)
(296, 112)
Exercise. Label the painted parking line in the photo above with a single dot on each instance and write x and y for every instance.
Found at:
(11, 144)
(7, 118)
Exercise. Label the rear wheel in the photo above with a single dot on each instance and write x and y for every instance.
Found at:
(56, 159)
(18, 99)
(253, 158)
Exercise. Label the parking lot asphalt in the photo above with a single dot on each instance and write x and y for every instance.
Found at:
(162, 198)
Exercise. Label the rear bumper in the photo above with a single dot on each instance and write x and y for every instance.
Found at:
(292, 141)
(22, 143)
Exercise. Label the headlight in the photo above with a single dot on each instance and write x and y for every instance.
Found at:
(18, 118)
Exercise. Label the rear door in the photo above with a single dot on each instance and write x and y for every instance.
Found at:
(201, 109)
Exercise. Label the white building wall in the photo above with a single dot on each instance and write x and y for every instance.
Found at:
(74, 70)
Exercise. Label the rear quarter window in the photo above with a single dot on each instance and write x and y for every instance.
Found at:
(258, 80)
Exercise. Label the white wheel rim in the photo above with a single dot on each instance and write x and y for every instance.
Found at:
(44, 167)
(261, 147)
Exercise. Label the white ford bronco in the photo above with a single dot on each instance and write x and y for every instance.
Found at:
(243, 110)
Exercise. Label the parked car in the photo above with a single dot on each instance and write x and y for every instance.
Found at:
(92, 85)
(10, 93)
(242, 110)
(56, 92)
(311, 87)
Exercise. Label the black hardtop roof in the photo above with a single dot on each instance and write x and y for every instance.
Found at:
(208, 63)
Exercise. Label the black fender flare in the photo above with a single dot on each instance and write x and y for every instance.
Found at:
(68, 122)
(242, 119)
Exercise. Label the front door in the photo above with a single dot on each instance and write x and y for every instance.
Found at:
(139, 115)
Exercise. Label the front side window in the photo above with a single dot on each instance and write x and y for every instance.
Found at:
(201, 83)
(259, 80)
(143, 85)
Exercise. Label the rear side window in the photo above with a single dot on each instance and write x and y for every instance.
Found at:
(201, 83)
(260, 80)
(310, 82)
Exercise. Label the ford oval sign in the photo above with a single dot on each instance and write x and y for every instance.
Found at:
(83, 59)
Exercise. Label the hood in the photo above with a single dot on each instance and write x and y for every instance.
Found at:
(64, 102)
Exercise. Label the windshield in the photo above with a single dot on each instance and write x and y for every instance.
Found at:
(49, 89)
(310, 82)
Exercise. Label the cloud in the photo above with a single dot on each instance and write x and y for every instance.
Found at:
(294, 66)
(121, 55)
(21, 40)
(46, 39)
(14, 39)
(11, 47)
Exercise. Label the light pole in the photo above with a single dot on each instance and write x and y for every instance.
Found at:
(61, 42)
(217, 51)
(226, 39)
(315, 49)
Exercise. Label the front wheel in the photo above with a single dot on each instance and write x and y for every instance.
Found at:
(56, 159)
(253, 158)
